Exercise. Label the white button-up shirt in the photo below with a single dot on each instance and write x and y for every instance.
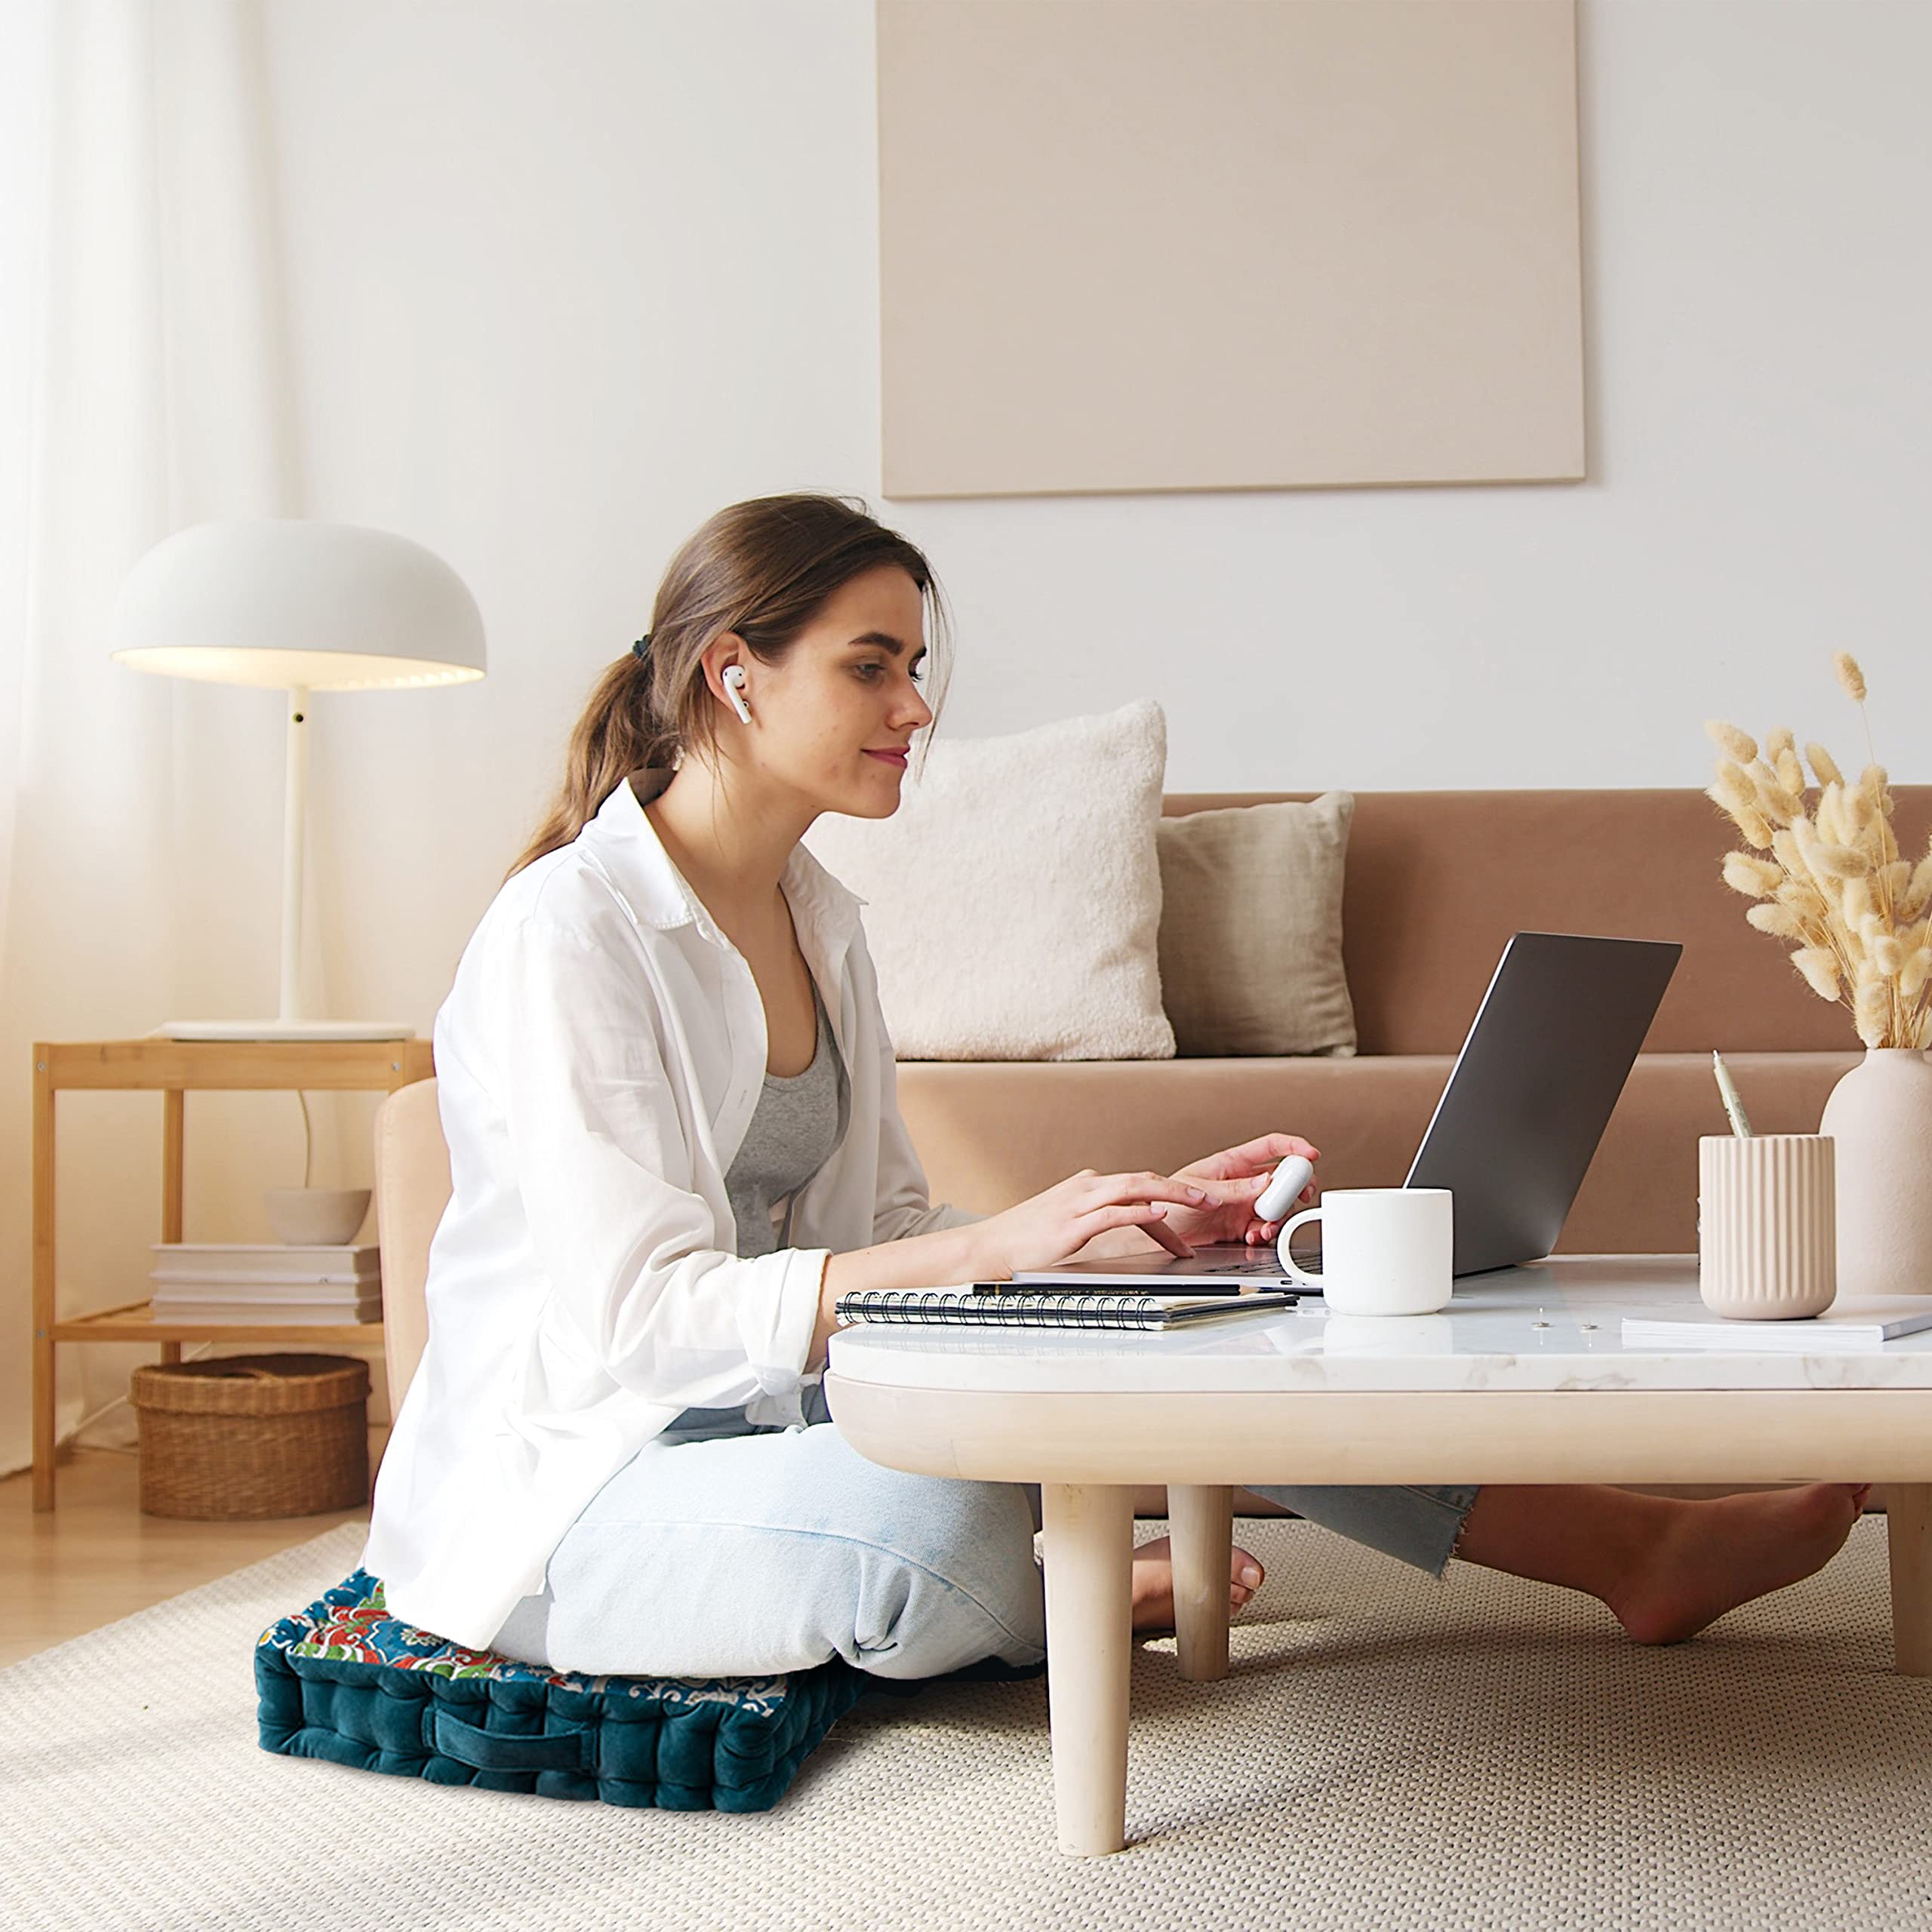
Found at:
(599, 1059)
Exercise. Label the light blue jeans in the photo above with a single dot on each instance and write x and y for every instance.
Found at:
(725, 1549)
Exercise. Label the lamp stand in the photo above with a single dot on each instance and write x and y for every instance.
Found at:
(288, 1025)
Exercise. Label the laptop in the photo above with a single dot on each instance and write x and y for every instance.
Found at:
(1515, 1129)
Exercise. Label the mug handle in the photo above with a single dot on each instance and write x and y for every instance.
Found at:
(1289, 1266)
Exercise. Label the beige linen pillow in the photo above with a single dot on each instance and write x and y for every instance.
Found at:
(1014, 897)
(1250, 942)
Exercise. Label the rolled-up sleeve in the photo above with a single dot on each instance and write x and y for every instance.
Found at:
(631, 1253)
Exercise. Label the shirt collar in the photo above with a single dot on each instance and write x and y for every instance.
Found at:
(625, 844)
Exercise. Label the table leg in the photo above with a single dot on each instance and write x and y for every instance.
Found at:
(1090, 1645)
(1203, 1520)
(43, 1282)
(1909, 1537)
(174, 1143)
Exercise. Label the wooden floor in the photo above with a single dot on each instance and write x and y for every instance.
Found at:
(96, 1557)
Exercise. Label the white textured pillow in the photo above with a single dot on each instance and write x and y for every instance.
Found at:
(1013, 899)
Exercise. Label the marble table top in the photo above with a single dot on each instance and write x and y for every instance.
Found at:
(1548, 1325)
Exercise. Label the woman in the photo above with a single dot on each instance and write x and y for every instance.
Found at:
(668, 1093)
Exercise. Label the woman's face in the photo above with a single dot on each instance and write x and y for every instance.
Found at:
(833, 722)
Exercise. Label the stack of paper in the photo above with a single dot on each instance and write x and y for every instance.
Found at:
(1845, 1325)
(242, 1282)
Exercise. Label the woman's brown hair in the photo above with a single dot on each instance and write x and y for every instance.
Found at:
(763, 569)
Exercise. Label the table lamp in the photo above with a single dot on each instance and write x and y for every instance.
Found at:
(307, 607)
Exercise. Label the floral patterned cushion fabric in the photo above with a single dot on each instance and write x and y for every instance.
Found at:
(345, 1681)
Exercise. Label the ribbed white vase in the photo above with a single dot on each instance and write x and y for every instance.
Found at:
(1765, 1209)
(1880, 1114)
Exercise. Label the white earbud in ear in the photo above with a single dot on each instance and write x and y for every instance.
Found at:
(734, 690)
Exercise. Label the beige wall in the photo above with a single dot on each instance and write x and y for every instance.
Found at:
(1223, 245)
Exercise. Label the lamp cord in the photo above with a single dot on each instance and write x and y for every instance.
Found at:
(308, 1139)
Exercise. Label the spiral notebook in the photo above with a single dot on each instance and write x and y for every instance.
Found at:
(984, 1309)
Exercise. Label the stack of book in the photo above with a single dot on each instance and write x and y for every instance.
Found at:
(272, 1282)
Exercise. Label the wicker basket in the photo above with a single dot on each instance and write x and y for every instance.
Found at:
(253, 1435)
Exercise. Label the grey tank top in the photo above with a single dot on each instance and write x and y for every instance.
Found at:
(795, 1128)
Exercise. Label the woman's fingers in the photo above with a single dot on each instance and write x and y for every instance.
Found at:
(1269, 1150)
(1156, 1225)
(1149, 1187)
(1149, 1220)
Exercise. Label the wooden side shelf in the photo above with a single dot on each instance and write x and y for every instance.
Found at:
(174, 1069)
(136, 1323)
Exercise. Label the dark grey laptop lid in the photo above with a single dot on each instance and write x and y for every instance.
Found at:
(1534, 1086)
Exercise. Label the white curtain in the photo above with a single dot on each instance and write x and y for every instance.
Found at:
(144, 386)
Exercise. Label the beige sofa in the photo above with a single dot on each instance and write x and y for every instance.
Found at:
(1436, 882)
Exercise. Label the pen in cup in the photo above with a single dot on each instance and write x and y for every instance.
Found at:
(1740, 1125)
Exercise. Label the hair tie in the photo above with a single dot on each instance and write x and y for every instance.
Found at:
(642, 647)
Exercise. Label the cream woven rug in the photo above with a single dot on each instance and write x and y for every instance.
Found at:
(1387, 1753)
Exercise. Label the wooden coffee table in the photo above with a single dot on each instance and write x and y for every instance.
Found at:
(1523, 1379)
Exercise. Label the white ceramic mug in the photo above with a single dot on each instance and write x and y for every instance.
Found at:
(1385, 1250)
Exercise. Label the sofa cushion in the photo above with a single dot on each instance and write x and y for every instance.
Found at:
(1251, 943)
(1014, 898)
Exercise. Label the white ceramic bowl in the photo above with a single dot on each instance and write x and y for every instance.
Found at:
(316, 1217)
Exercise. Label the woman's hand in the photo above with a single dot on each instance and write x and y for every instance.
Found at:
(1045, 1231)
(1234, 1179)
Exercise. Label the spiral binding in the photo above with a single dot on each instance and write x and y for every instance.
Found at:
(1050, 1310)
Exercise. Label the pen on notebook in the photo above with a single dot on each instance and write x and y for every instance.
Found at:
(1727, 1093)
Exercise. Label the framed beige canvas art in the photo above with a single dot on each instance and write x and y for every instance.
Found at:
(1198, 244)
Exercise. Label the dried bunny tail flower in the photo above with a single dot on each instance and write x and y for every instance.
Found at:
(1917, 894)
(1871, 1008)
(1895, 877)
(1876, 802)
(1838, 861)
(1730, 740)
(1856, 903)
(1917, 971)
(1778, 740)
(1791, 773)
(1849, 675)
(1755, 829)
(1831, 821)
(1788, 848)
(1820, 968)
(1756, 878)
(1888, 954)
(1732, 788)
(1823, 765)
(1775, 919)
(1774, 801)
(1801, 897)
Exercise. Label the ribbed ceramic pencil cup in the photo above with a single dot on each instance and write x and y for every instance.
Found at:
(1767, 1225)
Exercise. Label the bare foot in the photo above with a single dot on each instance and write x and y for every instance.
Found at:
(1154, 1583)
(1709, 1557)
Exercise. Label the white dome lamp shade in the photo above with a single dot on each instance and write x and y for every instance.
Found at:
(305, 606)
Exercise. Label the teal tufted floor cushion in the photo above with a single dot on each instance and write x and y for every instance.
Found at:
(345, 1681)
